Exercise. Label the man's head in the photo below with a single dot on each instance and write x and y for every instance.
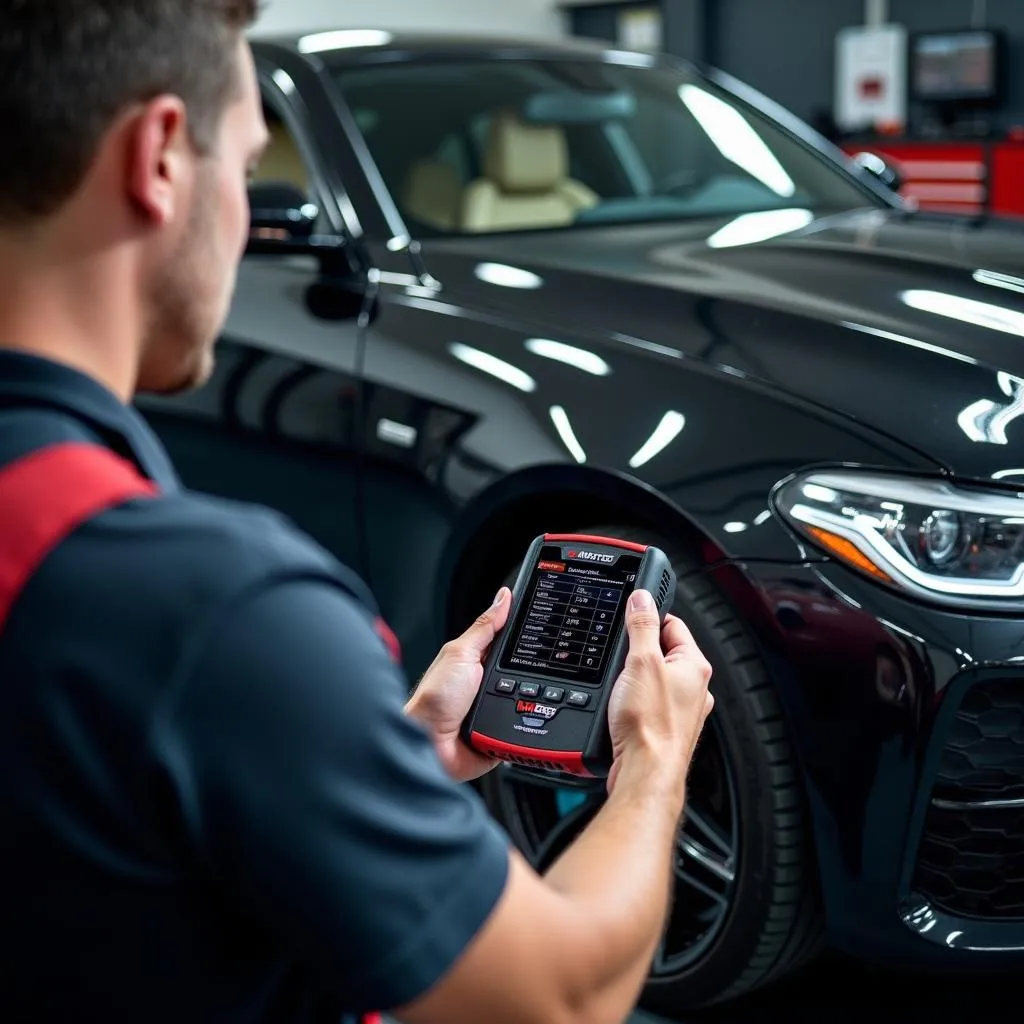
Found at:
(130, 127)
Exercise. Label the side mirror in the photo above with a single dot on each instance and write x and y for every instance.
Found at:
(280, 216)
(881, 169)
(281, 223)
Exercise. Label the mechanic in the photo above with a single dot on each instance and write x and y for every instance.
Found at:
(219, 802)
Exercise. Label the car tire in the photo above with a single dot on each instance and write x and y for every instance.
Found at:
(772, 922)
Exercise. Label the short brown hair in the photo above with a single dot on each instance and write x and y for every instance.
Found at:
(69, 67)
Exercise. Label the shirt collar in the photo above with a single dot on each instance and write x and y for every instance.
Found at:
(32, 379)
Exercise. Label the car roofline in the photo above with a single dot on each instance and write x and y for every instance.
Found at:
(353, 47)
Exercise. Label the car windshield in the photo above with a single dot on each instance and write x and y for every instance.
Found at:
(503, 145)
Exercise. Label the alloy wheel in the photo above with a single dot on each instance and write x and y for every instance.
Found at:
(544, 813)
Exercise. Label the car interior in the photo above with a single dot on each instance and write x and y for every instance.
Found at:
(543, 145)
(525, 182)
(282, 160)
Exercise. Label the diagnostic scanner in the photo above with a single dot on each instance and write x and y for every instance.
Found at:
(543, 701)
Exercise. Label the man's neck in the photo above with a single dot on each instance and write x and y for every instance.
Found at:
(74, 311)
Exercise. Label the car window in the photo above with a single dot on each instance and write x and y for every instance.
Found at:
(282, 161)
(500, 145)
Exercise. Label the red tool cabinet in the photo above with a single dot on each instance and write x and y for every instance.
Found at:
(956, 177)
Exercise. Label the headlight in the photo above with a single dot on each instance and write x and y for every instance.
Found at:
(927, 537)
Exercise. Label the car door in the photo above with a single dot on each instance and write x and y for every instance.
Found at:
(276, 423)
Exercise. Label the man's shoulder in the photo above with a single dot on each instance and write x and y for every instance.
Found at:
(203, 549)
(247, 536)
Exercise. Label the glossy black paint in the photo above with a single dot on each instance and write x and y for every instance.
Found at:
(865, 678)
(796, 351)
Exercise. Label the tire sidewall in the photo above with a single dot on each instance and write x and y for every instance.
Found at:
(736, 727)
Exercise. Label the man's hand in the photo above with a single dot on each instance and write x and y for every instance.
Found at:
(448, 688)
(585, 933)
(660, 701)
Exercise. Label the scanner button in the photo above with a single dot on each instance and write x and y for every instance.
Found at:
(579, 698)
(529, 689)
(554, 694)
(505, 686)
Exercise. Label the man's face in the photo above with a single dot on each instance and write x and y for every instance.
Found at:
(189, 293)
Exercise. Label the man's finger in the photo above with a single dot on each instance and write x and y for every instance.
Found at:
(643, 624)
(501, 607)
(483, 631)
(676, 638)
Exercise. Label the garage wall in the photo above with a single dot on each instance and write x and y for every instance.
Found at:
(684, 22)
(529, 17)
(784, 48)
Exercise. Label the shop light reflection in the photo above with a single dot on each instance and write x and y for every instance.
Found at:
(560, 418)
(492, 365)
(504, 276)
(749, 228)
(736, 139)
(986, 421)
(664, 434)
(343, 39)
(284, 82)
(925, 346)
(990, 277)
(588, 362)
(630, 58)
(968, 311)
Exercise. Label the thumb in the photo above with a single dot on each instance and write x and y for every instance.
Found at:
(479, 636)
(643, 624)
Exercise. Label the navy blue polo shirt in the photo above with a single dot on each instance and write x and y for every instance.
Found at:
(213, 807)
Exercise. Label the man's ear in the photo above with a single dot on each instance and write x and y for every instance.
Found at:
(159, 154)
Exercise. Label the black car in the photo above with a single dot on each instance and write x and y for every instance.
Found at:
(497, 288)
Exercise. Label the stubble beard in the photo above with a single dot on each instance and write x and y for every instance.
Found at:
(186, 315)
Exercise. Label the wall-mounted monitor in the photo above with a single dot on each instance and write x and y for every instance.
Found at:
(956, 67)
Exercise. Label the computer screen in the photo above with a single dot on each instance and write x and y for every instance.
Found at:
(952, 66)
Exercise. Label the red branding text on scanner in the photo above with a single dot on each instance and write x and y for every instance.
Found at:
(552, 566)
(529, 707)
(591, 556)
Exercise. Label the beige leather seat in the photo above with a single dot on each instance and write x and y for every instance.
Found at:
(526, 181)
(282, 161)
(433, 194)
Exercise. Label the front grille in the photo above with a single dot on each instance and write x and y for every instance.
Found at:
(971, 859)
(971, 862)
(983, 758)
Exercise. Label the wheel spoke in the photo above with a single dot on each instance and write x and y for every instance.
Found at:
(704, 858)
(720, 867)
(708, 832)
(660, 960)
(719, 899)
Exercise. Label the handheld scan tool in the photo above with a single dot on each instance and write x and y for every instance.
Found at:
(543, 702)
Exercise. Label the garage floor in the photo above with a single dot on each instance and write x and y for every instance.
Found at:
(834, 986)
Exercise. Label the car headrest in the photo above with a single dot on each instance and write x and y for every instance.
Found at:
(523, 158)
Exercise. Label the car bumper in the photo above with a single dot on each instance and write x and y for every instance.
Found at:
(909, 725)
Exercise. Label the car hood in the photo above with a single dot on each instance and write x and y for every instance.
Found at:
(911, 324)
